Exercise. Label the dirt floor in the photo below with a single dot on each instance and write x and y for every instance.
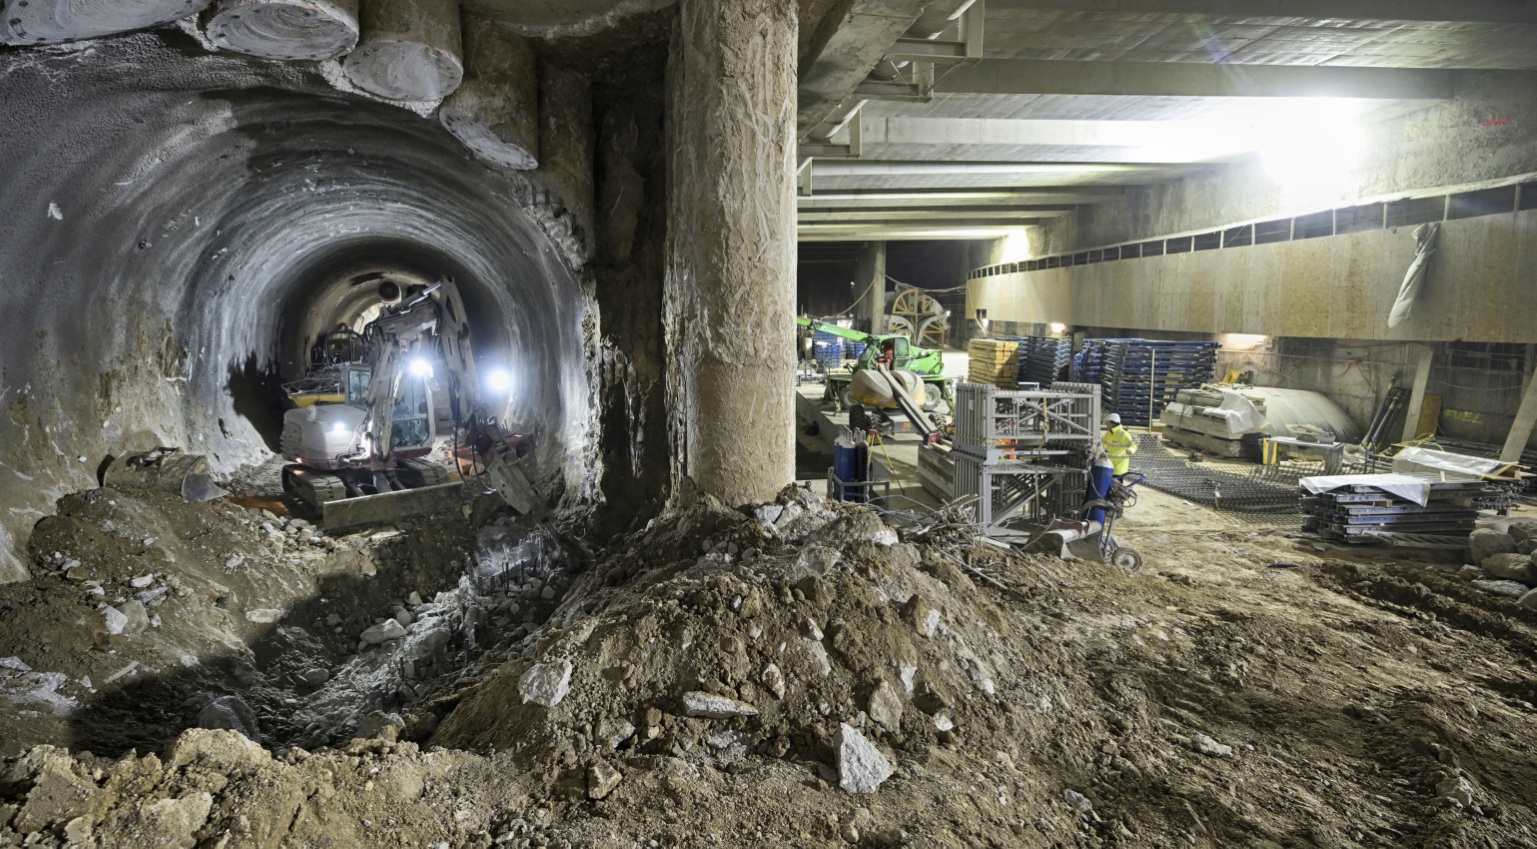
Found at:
(806, 675)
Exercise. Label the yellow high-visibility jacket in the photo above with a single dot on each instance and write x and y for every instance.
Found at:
(1120, 446)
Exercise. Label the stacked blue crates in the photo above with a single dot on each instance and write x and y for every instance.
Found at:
(853, 350)
(1044, 359)
(1139, 377)
(828, 350)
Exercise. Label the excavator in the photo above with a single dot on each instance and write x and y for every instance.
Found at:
(927, 364)
(358, 439)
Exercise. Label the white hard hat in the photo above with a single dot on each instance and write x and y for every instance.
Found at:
(1113, 418)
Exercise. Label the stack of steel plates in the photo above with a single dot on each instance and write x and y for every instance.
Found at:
(1141, 376)
(1363, 513)
(1043, 359)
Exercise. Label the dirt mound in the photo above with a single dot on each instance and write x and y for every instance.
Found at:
(808, 674)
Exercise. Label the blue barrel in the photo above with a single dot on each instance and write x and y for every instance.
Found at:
(1100, 476)
(845, 464)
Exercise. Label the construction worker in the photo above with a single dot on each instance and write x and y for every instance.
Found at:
(1118, 444)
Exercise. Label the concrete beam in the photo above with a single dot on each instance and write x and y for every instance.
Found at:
(311, 30)
(410, 50)
(852, 39)
(980, 210)
(1006, 194)
(56, 21)
(1461, 11)
(495, 112)
(906, 168)
(922, 216)
(889, 222)
(902, 234)
(1183, 79)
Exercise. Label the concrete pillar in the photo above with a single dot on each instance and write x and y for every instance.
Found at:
(495, 112)
(566, 138)
(870, 278)
(730, 290)
(285, 29)
(410, 50)
(55, 21)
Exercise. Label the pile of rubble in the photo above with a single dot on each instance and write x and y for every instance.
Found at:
(1505, 562)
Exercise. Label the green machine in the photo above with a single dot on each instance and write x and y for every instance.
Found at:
(927, 363)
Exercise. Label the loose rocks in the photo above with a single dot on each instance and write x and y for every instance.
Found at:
(861, 767)
(709, 706)
(389, 629)
(601, 780)
(1511, 567)
(1512, 589)
(1209, 747)
(546, 683)
(1485, 542)
(229, 713)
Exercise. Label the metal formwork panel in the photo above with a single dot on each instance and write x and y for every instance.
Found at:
(986, 418)
(1019, 489)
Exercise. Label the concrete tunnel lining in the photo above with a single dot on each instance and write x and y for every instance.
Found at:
(162, 222)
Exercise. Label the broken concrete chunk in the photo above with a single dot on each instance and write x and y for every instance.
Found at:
(220, 750)
(1077, 801)
(172, 822)
(1456, 789)
(768, 514)
(613, 732)
(135, 618)
(1511, 567)
(57, 796)
(115, 620)
(711, 706)
(1512, 589)
(1209, 747)
(602, 778)
(921, 615)
(229, 713)
(389, 629)
(316, 677)
(264, 615)
(773, 679)
(546, 683)
(1529, 600)
(142, 581)
(861, 766)
(1485, 542)
(886, 707)
(1522, 530)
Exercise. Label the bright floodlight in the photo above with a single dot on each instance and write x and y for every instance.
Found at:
(421, 368)
(339, 427)
(1058, 327)
(1312, 146)
(499, 381)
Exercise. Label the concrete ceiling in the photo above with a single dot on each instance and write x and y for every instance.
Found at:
(556, 18)
(1115, 93)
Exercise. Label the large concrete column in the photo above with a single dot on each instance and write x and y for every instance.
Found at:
(285, 29)
(55, 21)
(870, 278)
(410, 50)
(730, 290)
(495, 112)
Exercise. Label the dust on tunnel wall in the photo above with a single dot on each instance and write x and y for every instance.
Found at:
(163, 206)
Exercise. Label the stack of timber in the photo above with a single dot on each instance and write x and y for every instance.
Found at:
(994, 362)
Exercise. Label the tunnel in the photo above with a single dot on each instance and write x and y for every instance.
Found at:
(179, 235)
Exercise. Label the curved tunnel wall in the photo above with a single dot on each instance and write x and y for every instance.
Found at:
(165, 208)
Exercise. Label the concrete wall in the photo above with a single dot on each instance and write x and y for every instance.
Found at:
(1481, 288)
